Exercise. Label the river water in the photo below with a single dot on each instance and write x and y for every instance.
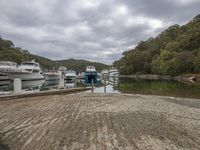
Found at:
(153, 87)
(129, 86)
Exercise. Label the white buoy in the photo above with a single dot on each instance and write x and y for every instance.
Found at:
(17, 85)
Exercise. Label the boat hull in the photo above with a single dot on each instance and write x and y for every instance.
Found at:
(71, 79)
(25, 76)
(51, 77)
(4, 82)
(49, 83)
(91, 77)
(114, 74)
(4, 79)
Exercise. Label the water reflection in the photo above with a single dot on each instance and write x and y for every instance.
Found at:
(159, 87)
(109, 85)
(26, 85)
(35, 86)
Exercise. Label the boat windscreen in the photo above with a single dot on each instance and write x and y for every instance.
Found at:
(28, 64)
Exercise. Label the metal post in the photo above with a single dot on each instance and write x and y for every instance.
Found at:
(17, 85)
(92, 85)
(104, 84)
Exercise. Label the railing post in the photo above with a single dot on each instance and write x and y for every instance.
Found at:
(61, 79)
(104, 84)
(17, 85)
(92, 85)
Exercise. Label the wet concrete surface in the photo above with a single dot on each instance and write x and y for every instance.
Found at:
(99, 121)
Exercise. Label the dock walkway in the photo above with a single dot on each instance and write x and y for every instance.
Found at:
(99, 121)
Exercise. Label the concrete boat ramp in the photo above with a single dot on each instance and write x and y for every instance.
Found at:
(99, 121)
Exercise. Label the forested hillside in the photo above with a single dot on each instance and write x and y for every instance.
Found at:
(9, 52)
(80, 65)
(174, 51)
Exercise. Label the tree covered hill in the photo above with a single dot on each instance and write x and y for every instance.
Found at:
(8, 52)
(174, 51)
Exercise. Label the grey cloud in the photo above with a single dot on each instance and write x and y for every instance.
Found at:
(89, 29)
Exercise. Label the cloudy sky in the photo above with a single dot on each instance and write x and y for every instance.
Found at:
(97, 30)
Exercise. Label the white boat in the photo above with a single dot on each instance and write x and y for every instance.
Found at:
(91, 76)
(71, 76)
(51, 75)
(113, 72)
(105, 73)
(5, 67)
(27, 71)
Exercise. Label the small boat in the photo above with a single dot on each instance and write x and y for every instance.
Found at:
(71, 76)
(5, 67)
(91, 75)
(51, 75)
(27, 71)
(105, 73)
(113, 72)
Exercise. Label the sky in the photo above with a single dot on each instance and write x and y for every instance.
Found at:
(95, 30)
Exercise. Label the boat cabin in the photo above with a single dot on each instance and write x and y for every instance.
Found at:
(30, 66)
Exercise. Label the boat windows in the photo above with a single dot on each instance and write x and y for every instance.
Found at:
(28, 64)
(35, 71)
(28, 70)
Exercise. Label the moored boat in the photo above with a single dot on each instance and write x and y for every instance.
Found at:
(113, 72)
(71, 76)
(105, 73)
(27, 71)
(5, 67)
(91, 75)
(51, 75)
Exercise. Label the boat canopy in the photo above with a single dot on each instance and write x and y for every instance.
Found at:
(90, 69)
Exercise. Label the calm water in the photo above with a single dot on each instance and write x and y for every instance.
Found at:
(159, 87)
(153, 87)
(129, 86)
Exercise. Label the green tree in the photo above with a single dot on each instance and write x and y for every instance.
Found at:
(197, 63)
(164, 64)
(184, 62)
